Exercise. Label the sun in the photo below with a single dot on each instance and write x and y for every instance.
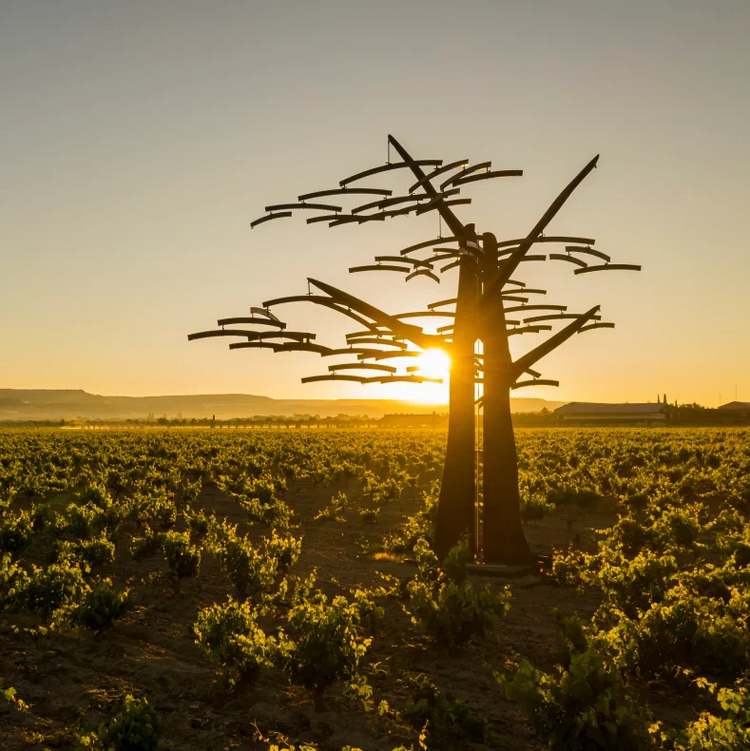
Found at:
(433, 363)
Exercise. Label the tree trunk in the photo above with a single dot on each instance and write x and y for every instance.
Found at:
(455, 515)
(504, 538)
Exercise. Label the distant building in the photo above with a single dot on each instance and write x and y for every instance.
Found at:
(620, 413)
(741, 409)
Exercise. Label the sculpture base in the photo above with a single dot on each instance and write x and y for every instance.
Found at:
(506, 570)
(503, 570)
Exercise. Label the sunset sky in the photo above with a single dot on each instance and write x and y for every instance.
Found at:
(140, 139)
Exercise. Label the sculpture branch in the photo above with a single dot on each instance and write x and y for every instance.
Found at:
(511, 264)
(485, 294)
(527, 360)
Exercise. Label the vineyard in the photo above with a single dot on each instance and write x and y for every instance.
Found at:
(210, 589)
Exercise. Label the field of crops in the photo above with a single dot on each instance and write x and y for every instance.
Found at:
(210, 589)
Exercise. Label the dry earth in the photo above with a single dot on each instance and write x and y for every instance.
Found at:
(69, 679)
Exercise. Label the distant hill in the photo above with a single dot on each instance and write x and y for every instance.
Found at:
(70, 404)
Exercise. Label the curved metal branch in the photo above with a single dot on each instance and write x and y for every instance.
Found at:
(255, 345)
(293, 206)
(249, 319)
(527, 360)
(403, 379)
(325, 218)
(382, 204)
(346, 191)
(569, 259)
(488, 176)
(455, 225)
(610, 267)
(446, 256)
(268, 218)
(510, 265)
(326, 302)
(362, 366)
(423, 272)
(528, 329)
(535, 382)
(539, 306)
(548, 239)
(450, 266)
(389, 167)
(361, 352)
(405, 330)
(598, 325)
(373, 340)
(359, 219)
(558, 317)
(379, 334)
(427, 243)
(253, 335)
(441, 303)
(401, 259)
(427, 314)
(439, 171)
(415, 209)
(378, 267)
(436, 203)
(528, 291)
(588, 252)
(334, 377)
(265, 313)
(466, 171)
(287, 347)
(385, 355)
(402, 212)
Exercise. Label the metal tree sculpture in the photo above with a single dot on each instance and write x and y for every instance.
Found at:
(486, 296)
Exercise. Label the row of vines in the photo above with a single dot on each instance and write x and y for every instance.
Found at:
(96, 528)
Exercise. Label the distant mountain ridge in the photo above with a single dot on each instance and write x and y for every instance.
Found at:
(70, 404)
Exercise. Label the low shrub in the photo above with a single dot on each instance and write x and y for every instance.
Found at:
(102, 605)
(325, 642)
(580, 707)
(183, 558)
(444, 605)
(135, 727)
(228, 634)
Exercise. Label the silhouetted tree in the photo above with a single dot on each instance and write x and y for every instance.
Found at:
(489, 307)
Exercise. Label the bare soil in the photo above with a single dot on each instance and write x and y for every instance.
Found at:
(69, 679)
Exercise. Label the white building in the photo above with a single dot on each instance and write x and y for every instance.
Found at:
(596, 412)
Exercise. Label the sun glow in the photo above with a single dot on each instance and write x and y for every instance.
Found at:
(432, 363)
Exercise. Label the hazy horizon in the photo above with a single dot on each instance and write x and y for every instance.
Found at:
(519, 396)
(141, 139)
(24, 405)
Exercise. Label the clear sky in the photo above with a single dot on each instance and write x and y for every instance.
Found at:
(139, 140)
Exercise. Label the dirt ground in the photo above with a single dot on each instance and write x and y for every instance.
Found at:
(69, 679)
